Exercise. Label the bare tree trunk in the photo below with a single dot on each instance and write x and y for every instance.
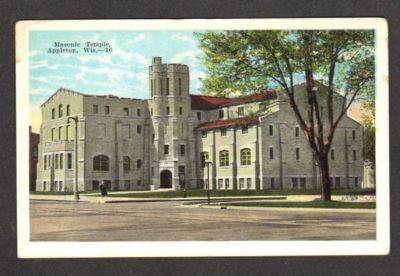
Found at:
(324, 170)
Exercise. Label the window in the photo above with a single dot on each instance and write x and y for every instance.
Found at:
(34, 152)
(167, 87)
(337, 182)
(355, 181)
(245, 157)
(272, 181)
(245, 129)
(138, 112)
(126, 163)
(241, 183)
(223, 158)
(95, 109)
(139, 163)
(332, 154)
(204, 157)
(68, 110)
(139, 182)
(53, 134)
(271, 130)
(297, 131)
(180, 86)
(204, 134)
(106, 109)
(69, 161)
(152, 171)
(240, 111)
(295, 183)
(151, 111)
(220, 183)
(60, 111)
(167, 110)
(126, 111)
(45, 162)
(49, 159)
(223, 131)
(67, 132)
(56, 161)
(354, 155)
(166, 149)
(100, 163)
(151, 87)
(354, 134)
(248, 183)
(153, 137)
(182, 150)
(271, 153)
(302, 182)
(61, 161)
(60, 186)
(60, 133)
(161, 85)
(53, 113)
(180, 110)
(297, 153)
(139, 129)
(221, 113)
(44, 185)
(198, 116)
(226, 183)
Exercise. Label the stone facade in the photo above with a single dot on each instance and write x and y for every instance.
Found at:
(174, 138)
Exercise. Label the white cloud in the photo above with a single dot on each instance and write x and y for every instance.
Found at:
(43, 63)
(184, 38)
(188, 57)
(136, 39)
(40, 79)
(40, 91)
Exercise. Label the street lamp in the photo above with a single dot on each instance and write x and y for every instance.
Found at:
(76, 192)
(208, 163)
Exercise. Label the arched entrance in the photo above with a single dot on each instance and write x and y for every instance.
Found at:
(166, 179)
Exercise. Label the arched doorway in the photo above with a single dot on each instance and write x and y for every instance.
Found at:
(166, 179)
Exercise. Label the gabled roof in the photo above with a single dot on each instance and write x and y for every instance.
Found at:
(230, 122)
(200, 102)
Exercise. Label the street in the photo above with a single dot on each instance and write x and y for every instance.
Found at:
(167, 221)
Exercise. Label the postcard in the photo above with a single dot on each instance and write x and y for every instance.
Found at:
(211, 137)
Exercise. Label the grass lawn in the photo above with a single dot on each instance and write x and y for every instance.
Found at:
(307, 204)
(57, 193)
(203, 193)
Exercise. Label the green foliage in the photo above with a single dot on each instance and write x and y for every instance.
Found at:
(369, 142)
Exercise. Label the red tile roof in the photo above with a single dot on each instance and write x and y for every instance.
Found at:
(230, 122)
(200, 102)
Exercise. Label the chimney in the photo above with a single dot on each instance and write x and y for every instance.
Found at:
(156, 60)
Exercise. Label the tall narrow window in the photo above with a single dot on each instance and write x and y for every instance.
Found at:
(53, 113)
(332, 154)
(45, 162)
(139, 163)
(68, 132)
(167, 87)
(221, 113)
(297, 132)
(69, 161)
(60, 111)
(180, 110)
(297, 153)
(161, 86)
(126, 111)
(68, 110)
(95, 109)
(126, 163)
(223, 131)
(166, 149)
(240, 111)
(53, 134)
(61, 160)
(56, 161)
(180, 86)
(100, 163)
(245, 129)
(198, 116)
(204, 134)
(182, 150)
(353, 134)
(106, 109)
(167, 110)
(139, 129)
(271, 130)
(204, 157)
(223, 158)
(153, 137)
(151, 111)
(245, 157)
(151, 87)
(271, 153)
(138, 112)
(60, 133)
(354, 155)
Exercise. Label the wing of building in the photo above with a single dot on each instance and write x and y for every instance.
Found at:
(175, 140)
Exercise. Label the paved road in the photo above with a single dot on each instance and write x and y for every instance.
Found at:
(156, 221)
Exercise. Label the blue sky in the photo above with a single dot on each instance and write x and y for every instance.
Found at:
(124, 72)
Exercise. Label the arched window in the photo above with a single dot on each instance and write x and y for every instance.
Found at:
(245, 157)
(100, 163)
(127, 163)
(68, 111)
(53, 113)
(204, 158)
(60, 111)
(223, 158)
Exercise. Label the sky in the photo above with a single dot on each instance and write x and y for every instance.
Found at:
(123, 72)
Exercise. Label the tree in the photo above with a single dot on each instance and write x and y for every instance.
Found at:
(246, 61)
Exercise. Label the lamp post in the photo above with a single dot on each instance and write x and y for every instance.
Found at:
(208, 181)
(76, 192)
